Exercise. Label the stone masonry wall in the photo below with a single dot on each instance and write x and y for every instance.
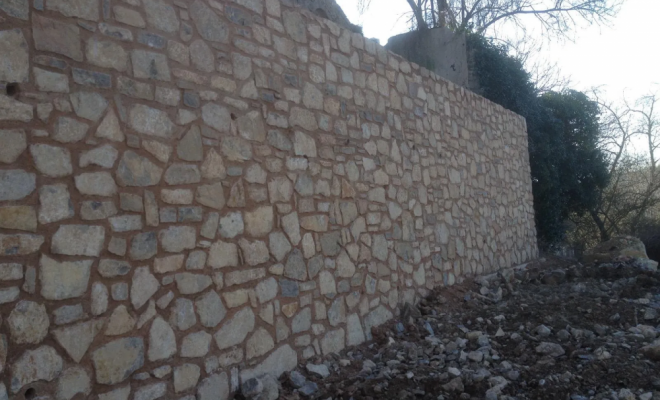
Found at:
(193, 193)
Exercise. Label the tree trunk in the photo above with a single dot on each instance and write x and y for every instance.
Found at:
(601, 226)
(419, 15)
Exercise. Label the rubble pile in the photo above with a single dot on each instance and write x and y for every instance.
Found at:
(553, 330)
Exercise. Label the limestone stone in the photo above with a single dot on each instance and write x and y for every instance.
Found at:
(331, 243)
(161, 15)
(150, 121)
(280, 189)
(333, 342)
(48, 81)
(345, 266)
(210, 309)
(99, 298)
(69, 130)
(236, 329)
(116, 361)
(211, 195)
(295, 26)
(305, 185)
(117, 394)
(162, 342)
(144, 246)
(214, 387)
(291, 226)
(135, 170)
(379, 247)
(189, 283)
(120, 322)
(68, 314)
(327, 283)
(78, 240)
(315, 223)
(9, 295)
(151, 392)
(217, 117)
(63, 280)
(17, 9)
(57, 37)
(209, 25)
(175, 239)
(223, 255)
(16, 184)
(201, 55)
(84, 9)
(259, 222)
(103, 156)
(236, 149)
(183, 314)
(279, 245)
(213, 167)
(22, 218)
(11, 271)
(20, 244)
(182, 174)
(282, 360)
(89, 105)
(260, 343)
(304, 145)
(28, 323)
(13, 141)
(15, 65)
(303, 118)
(40, 364)
(196, 344)
(266, 290)
(129, 17)
(295, 267)
(76, 339)
(251, 126)
(13, 110)
(51, 160)
(186, 377)
(109, 128)
(150, 65)
(168, 264)
(302, 321)
(190, 146)
(354, 334)
(231, 225)
(96, 184)
(337, 312)
(236, 298)
(375, 318)
(143, 286)
(73, 381)
(255, 252)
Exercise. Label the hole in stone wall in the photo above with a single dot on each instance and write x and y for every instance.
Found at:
(11, 89)
(321, 13)
(30, 394)
(233, 116)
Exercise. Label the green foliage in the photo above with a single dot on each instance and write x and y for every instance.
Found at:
(568, 170)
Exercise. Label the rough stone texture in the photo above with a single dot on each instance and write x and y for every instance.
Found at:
(28, 323)
(238, 172)
(63, 280)
(42, 363)
(117, 360)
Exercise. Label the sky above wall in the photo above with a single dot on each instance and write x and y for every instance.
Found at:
(621, 57)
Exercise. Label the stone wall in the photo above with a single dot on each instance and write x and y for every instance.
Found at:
(197, 192)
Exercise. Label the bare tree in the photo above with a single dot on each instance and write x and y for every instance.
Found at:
(555, 17)
(630, 135)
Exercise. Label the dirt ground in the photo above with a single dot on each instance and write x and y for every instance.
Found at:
(554, 330)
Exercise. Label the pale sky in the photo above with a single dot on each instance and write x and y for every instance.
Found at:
(622, 56)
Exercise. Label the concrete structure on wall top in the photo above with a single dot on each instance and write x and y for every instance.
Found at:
(194, 193)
